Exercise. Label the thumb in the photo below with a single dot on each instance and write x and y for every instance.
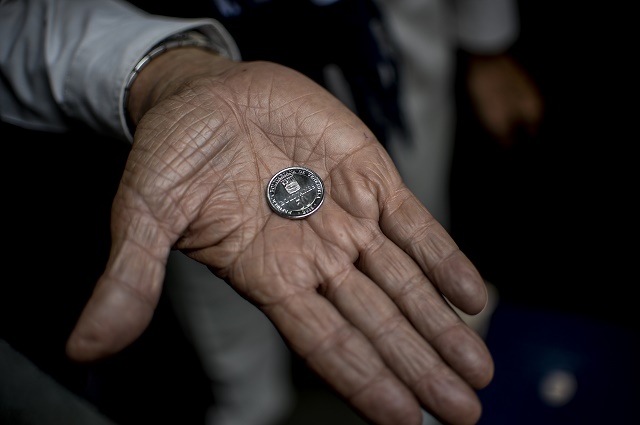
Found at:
(125, 297)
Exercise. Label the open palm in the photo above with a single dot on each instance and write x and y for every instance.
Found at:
(355, 288)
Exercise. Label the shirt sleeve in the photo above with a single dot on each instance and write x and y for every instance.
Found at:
(486, 26)
(64, 61)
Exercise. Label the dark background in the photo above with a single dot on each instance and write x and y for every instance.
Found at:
(550, 222)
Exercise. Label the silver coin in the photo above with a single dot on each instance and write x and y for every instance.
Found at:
(295, 192)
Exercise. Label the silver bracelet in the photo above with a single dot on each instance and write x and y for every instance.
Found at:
(184, 39)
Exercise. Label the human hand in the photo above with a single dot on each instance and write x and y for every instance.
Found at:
(504, 96)
(356, 289)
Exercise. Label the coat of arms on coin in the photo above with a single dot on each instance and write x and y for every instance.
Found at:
(295, 192)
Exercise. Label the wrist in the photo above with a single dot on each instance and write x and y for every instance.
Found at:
(163, 67)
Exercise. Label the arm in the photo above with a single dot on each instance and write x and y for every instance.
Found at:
(67, 61)
(504, 96)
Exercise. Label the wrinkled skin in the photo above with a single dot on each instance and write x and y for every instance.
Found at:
(356, 288)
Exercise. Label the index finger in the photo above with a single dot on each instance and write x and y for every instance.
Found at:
(406, 222)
